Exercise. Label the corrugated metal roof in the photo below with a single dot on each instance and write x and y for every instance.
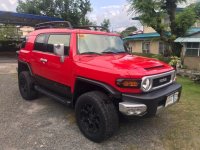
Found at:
(143, 36)
(187, 40)
(193, 30)
(24, 19)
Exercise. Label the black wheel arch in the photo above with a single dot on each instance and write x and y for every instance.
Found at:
(83, 85)
(24, 66)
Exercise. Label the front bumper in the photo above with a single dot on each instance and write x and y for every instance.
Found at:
(152, 101)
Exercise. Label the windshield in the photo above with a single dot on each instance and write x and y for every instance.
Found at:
(99, 44)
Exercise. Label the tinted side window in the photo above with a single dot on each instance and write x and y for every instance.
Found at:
(58, 39)
(40, 43)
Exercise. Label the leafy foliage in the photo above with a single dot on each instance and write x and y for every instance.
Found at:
(128, 31)
(106, 23)
(197, 9)
(184, 21)
(154, 12)
(8, 32)
(74, 11)
(175, 61)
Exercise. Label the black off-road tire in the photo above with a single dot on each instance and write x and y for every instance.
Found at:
(96, 116)
(26, 86)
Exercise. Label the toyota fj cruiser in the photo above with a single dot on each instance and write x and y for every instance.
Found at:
(91, 70)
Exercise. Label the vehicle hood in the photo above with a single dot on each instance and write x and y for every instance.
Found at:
(133, 65)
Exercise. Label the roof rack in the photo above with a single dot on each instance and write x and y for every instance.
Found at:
(53, 24)
(67, 24)
(95, 28)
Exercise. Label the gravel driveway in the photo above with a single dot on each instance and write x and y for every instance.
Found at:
(46, 124)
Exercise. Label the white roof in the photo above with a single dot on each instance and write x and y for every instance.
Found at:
(187, 40)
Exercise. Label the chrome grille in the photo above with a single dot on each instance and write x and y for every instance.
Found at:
(162, 80)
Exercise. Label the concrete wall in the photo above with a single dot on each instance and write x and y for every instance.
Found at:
(147, 29)
(137, 46)
(154, 47)
(192, 62)
(26, 30)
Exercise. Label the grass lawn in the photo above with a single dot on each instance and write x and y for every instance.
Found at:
(185, 129)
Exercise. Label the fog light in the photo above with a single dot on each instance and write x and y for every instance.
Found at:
(130, 112)
(176, 97)
(132, 109)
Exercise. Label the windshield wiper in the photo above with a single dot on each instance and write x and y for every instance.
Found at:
(121, 52)
(112, 52)
(90, 53)
(109, 52)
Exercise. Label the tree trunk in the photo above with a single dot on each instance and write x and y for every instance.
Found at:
(171, 10)
(171, 6)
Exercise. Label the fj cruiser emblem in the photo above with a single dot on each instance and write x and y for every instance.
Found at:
(163, 80)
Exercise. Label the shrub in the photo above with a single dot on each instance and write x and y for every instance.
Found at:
(175, 61)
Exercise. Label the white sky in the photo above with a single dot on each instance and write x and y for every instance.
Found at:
(115, 10)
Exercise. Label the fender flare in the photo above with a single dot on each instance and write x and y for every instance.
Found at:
(108, 88)
(25, 63)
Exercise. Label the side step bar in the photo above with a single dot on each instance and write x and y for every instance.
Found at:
(48, 93)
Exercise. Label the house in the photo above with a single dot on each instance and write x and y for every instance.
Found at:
(191, 49)
(147, 42)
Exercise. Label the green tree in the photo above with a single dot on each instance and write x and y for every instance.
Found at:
(128, 31)
(106, 23)
(153, 12)
(197, 9)
(74, 11)
(8, 33)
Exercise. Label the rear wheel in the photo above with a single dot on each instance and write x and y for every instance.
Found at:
(96, 116)
(26, 86)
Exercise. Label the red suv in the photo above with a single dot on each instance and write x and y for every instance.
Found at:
(92, 71)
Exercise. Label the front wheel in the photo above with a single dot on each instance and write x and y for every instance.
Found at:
(96, 116)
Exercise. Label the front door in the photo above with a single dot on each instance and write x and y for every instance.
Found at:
(46, 64)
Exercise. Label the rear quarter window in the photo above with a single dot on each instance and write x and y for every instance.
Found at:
(40, 43)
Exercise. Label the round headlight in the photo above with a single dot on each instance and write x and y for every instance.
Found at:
(146, 84)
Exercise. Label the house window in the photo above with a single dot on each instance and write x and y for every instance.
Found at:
(163, 48)
(192, 49)
(146, 47)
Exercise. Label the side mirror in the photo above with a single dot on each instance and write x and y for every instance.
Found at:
(128, 49)
(59, 50)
